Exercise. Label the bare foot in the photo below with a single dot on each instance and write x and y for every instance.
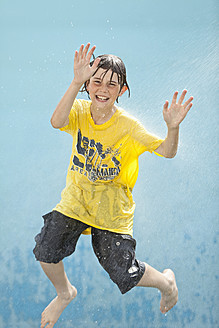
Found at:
(169, 297)
(53, 311)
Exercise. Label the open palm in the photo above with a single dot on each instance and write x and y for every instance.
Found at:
(82, 69)
(177, 111)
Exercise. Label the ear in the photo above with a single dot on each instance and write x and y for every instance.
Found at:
(87, 84)
(124, 88)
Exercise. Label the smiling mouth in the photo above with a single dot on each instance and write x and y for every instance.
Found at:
(100, 98)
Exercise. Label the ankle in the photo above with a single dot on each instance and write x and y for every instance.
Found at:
(168, 284)
(68, 294)
(64, 296)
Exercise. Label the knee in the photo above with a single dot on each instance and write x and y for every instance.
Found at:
(128, 278)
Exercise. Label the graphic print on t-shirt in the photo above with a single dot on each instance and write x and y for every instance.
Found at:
(96, 162)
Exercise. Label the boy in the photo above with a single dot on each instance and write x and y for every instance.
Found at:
(103, 169)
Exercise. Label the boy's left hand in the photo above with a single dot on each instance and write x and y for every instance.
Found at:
(176, 113)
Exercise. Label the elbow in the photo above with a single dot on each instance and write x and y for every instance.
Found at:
(54, 124)
(170, 155)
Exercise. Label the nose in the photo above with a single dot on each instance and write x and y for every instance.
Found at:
(103, 87)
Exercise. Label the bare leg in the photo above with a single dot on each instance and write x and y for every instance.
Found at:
(65, 293)
(165, 282)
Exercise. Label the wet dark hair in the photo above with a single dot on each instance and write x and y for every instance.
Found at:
(114, 63)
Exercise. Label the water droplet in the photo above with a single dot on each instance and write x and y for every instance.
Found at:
(117, 243)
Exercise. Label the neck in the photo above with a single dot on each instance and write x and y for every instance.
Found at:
(102, 115)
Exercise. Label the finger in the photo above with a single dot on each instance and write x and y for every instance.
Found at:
(174, 97)
(165, 106)
(81, 50)
(182, 97)
(76, 55)
(86, 50)
(96, 63)
(189, 107)
(90, 53)
(188, 101)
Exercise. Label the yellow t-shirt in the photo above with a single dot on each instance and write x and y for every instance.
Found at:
(103, 168)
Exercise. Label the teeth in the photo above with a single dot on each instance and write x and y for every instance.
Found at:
(102, 98)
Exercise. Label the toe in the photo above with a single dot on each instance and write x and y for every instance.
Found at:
(43, 323)
(164, 309)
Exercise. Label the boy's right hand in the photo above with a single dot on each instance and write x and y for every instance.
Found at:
(82, 69)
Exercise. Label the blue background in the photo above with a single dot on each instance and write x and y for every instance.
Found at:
(167, 46)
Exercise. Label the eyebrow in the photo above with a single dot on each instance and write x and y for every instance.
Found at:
(99, 79)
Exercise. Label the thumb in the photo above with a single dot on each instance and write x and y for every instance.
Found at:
(165, 106)
(96, 63)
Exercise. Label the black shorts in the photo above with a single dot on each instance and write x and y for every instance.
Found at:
(115, 252)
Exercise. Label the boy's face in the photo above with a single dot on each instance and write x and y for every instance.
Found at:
(104, 90)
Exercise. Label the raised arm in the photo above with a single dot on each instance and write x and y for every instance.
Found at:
(82, 73)
(173, 116)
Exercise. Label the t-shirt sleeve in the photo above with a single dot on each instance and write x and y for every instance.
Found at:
(72, 119)
(143, 140)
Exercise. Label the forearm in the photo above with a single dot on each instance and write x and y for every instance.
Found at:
(169, 146)
(62, 111)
